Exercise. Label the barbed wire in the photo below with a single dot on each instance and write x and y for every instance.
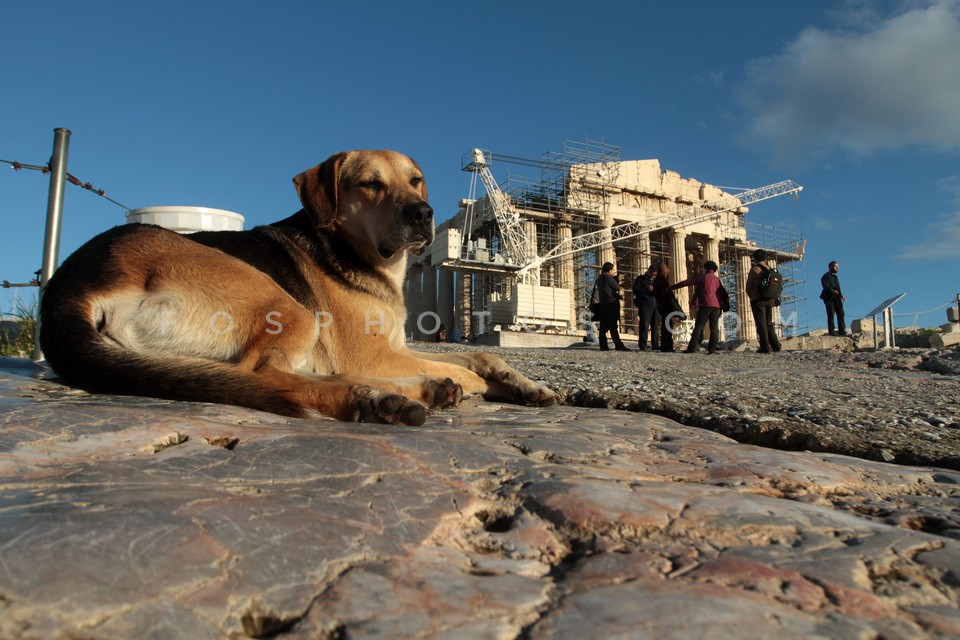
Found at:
(920, 313)
(17, 166)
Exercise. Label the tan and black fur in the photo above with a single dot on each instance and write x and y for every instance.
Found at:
(300, 317)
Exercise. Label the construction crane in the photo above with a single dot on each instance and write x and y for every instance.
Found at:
(515, 249)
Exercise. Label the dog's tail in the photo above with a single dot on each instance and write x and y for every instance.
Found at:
(80, 354)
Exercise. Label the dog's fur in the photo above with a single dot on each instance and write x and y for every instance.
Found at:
(300, 317)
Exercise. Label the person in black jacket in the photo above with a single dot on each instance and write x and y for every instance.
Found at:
(648, 319)
(833, 299)
(666, 307)
(609, 297)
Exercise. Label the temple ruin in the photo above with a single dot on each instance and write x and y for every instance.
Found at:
(515, 266)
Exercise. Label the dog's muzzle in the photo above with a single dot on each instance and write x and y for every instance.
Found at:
(413, 230)
(418, 215)
(418, 218)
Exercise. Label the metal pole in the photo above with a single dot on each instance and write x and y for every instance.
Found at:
(893, 331)
(887, 329)
(51, 238)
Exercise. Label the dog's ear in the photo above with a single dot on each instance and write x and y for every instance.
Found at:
(318, 189)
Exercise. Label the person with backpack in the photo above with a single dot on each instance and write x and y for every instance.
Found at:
(709, 309)
(763, 288)
(646, 304)
(608, 295)
(833, 299)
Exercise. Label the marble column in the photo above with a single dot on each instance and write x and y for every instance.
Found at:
(445, 298)
(711, 251)
(777, 320)
(530, 231)
(643, 250)
(566, 271)
(747, 329)
(464, 304)
(413, 287)
(678, 265)
(429, 300)
(607, 254)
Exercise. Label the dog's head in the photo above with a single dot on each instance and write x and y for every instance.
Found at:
(376, 200)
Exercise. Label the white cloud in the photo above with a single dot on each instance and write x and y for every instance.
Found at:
(822, 224)
(877, 84)
(942, 238)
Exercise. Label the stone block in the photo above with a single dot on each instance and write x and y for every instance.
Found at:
(953, 314)
(817, 343)
(940, 340)
(950, 327)
(864, 325)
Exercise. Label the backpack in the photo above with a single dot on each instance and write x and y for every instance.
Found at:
(594, 305)
(771, 283)
(724, 298)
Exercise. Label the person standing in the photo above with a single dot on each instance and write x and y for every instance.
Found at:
(705, 288)
(666, 307)
(609, 297)
(646, 304)
(833, 299)
(762, 307)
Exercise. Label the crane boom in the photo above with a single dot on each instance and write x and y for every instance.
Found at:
(514, 246)
(681, 217)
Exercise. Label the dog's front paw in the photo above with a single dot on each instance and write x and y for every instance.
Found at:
(374, 405)
(443, 394)
(537, 395)
(512, 386)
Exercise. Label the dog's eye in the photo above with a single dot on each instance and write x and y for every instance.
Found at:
(373, 185)
(416, 182)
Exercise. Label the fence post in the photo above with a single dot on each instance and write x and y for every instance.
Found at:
(51, 238)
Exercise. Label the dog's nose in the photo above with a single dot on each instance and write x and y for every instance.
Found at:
(419, 213)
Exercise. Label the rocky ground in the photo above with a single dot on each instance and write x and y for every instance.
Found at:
(900, 406)
(125, 517)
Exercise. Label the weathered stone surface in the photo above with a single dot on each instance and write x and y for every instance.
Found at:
(816, 343)
(940, 340)
(127, 517)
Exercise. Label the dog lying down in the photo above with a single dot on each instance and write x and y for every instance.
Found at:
(301, 317)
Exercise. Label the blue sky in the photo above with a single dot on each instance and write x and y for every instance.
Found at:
(220, 104)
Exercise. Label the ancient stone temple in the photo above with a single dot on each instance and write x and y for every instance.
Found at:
(516, 265)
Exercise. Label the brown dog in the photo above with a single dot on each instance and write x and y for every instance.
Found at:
(300, 317)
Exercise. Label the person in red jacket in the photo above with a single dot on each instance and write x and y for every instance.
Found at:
(708, 306)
